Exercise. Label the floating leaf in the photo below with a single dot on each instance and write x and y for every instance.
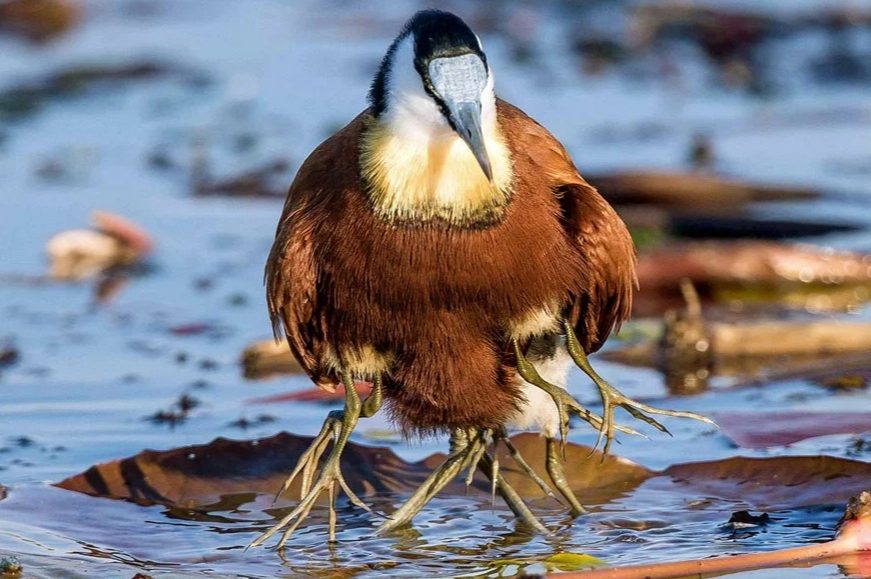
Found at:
(228, 471)
(781, 482)
(209, 475)
(767, 429)
(558, 562)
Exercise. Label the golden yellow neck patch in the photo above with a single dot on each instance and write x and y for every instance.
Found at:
(421, 180)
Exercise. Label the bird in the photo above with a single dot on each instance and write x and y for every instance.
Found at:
(443, 247)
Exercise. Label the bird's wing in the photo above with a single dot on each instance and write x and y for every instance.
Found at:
(603, 299)
(291, 280)
(292, 271)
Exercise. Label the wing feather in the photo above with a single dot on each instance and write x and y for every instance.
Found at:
(293, 295)
(291, 282)
(601, 237)
(603, 298)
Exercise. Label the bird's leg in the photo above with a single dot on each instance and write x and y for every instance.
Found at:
(511, 497)
(480, 459)
(481, 438)
(337, 427)
(565, 403)
(461, 449)
(611, 397)
(554, 467)
(468, 450)
(525, 467)
(372, 404)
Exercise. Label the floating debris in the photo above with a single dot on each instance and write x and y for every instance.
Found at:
(210, 330)
(84, 253)
(268, 180)
(27, 98)
(39, 20)
(701, 153)
(744, 519)
(246, 423)
(10, 567)
(690, 349)
(70, 165)
(792, 275)
(9, 354)
(177, 413)
(692, 191)
(268, 358)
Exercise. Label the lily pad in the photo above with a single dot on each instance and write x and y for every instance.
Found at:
(225, 472)
(770, 483)
(764, 430)
(204, 476)
(201, 476)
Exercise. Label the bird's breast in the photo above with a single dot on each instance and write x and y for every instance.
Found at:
(416, 179)
(515, 272)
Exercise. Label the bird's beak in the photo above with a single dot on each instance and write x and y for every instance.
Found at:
(466, 119)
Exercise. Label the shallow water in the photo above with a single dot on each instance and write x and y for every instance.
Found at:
(284, 75)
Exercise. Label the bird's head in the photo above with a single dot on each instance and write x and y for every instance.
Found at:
(434, 83)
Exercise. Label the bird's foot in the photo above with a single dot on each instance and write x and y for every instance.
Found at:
(566, 405)
(464, 449)
(468, 451)
(554, 465)
(337, 428)
(525, 467)
(612, 398)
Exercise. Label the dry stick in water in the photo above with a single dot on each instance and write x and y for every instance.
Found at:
(853, 536)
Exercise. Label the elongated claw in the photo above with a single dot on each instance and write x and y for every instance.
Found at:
(525, 467)
(308, 462)
(480, 442)
(461, 449)
(558, 477)
(468, 450)
(612, 398)
(337, 428)
(565, 402)
(511, 497)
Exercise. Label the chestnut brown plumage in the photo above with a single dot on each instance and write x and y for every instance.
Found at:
(439, 299)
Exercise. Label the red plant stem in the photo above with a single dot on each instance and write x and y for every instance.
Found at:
(729, 564)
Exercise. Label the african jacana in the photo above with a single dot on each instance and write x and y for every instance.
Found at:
(444, 247)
